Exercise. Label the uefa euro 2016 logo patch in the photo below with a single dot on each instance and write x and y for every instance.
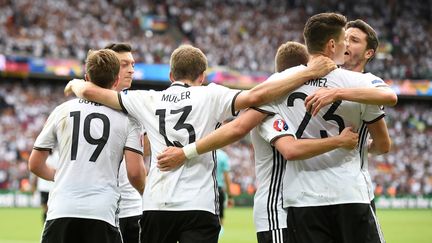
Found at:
(280, 125)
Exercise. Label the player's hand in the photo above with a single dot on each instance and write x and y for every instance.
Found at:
(170, 159)
(349, 138)
(74, 82)
(320, 66)
(319, 99)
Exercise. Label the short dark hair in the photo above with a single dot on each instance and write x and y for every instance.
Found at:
(290, 54)
(119, 47)
(102, 67)
(320, 28)
(187, 62)
(371, 35)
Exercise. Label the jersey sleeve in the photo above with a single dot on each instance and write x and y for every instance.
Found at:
(375, 81)
(132, 102)
(133, 140)
(47, 139)
(350, 79)
(223, 101)
(372, 113)
(274, 127)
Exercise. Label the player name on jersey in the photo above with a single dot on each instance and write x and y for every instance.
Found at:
(88, 102)
(176, 98)
(319, 82)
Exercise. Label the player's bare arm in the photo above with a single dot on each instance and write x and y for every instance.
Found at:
(381, 142)
(92, 92)
(37, 165)
(300, 149)
(135, 170)
(233, 131)
(371, 96)
(271, 90)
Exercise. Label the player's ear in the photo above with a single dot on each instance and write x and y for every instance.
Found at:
(331, 46)
(369, 53)
(171, 77)
(117, 81)
(201, 78)
(86, 77)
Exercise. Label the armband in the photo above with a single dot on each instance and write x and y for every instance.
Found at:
(190, 151)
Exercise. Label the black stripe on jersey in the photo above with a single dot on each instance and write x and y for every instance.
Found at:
(362, 142)
(376, 119)
(233, 110)
(134, 150)
(215, 185)
(121, 103)
(264, 111)
(42, 149)
(274, 188)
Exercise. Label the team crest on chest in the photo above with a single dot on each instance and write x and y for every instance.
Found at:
(280, 125)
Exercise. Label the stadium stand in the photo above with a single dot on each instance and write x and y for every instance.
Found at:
(240, 34)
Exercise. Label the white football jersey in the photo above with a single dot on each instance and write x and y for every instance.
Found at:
(270, 169)
(334, 177)
(91, 139)
(178, 116)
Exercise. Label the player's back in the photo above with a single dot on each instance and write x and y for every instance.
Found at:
(91, 139)
(333, 177)
(178, 116)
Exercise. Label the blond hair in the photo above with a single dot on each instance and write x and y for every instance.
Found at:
(187, 63)
(102, 67)
(290, 54)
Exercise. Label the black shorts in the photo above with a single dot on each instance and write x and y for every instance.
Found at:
(73, 230)
(343, 223)
(221, 202)
(182, 226)
(273, 236)
(130, 229)
(44, 197)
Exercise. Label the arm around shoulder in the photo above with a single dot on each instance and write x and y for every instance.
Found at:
(372, 96)
(92, 92)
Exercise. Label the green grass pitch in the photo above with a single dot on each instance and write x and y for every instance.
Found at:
(23, 225)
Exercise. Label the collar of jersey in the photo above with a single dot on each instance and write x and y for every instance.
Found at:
(179, 83)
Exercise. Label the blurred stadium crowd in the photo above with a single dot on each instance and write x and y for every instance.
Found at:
(406, 170)
(240, 34)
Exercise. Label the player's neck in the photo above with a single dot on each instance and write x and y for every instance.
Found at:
(189, 82)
